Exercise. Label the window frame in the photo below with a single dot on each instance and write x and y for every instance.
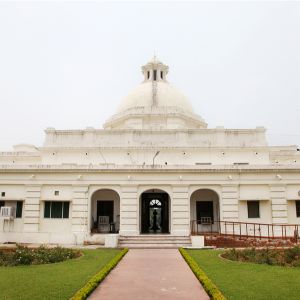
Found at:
(19, 209)
(65, 209)
(252, 202)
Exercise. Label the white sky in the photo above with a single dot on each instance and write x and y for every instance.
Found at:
(68, 65)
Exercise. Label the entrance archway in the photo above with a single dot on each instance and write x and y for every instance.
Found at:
(204, 211)
(105, 211)
(155, 211)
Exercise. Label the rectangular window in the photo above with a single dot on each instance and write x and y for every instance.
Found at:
(2, 194)
(19, 209)
(298, 208)
(2, 203)
(253, 209)
(56, 209)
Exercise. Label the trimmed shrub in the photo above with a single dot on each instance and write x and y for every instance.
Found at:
(208, 285)
(36, 256)
(86, 290)
(280, 257)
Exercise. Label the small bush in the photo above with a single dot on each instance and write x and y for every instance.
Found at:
(42, 255)
(279, 257)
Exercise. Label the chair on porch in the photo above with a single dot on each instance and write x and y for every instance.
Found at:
(205, 221)
(103, 224)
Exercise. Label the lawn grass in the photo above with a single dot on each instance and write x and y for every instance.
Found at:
(52, 281)
(242, 281)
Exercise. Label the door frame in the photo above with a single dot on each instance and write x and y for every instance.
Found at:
(146, 197)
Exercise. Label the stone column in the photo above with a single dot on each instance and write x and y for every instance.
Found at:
(180, 212)
(129, 210)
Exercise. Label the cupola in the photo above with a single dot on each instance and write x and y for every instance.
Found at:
(155, 70)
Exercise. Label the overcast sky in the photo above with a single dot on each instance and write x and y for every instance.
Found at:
(68, 65)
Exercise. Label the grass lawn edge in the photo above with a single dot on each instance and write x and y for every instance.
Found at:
(94, 281)
(208, 285)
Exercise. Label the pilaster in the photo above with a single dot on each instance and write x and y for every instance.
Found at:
(279, 204)
(180, 213)
(129, 210)
(80, 209)
(230, 203)
(32, 208)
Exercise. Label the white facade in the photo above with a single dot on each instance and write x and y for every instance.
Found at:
(154, 143)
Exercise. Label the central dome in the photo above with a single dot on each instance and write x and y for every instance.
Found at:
(155, 104)
(160, 94)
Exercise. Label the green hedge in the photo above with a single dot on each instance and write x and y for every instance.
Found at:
(208, 285)
(85, 291)
(35, 256)
(289, 257)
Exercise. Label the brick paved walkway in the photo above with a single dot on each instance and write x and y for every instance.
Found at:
(151, 274)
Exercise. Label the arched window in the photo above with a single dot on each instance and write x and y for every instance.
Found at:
(155, 203)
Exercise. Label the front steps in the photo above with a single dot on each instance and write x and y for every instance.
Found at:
(154, 241)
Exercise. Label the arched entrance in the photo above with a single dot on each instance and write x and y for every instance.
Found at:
(105, 212)
(205, 211)
(154, 211)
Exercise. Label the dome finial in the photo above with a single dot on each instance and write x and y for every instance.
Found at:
(154, 59)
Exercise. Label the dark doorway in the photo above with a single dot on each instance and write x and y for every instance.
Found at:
(205, 211)
(155, 213)
(105, 208)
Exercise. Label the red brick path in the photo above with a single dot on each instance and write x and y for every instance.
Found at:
(151, 274)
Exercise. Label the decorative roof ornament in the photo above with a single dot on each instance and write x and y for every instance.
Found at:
(155, 70)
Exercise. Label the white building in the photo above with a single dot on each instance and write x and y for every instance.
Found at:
(154, 168)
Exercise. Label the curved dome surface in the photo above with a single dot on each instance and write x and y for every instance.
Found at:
(160, 94)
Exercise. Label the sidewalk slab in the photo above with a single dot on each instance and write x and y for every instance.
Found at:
(151, 274)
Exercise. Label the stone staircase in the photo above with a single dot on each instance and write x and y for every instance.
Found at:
(154, 241)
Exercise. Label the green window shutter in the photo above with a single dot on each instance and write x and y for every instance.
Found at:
(47, 209)
(56, 209)
(66, 210)
(19, 209)
(253, 209)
